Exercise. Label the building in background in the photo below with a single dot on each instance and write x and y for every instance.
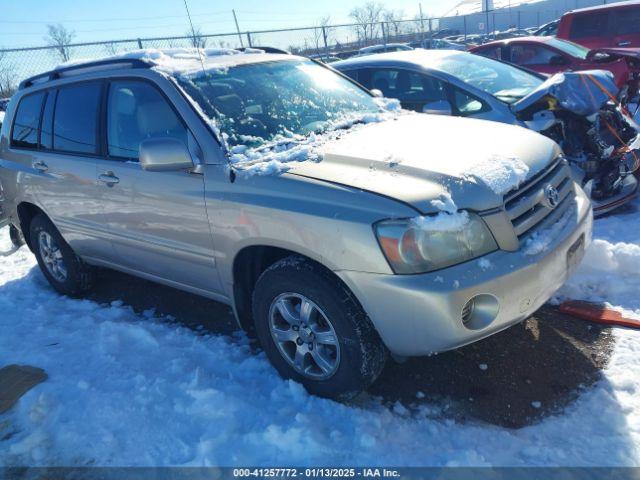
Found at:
(485, 16)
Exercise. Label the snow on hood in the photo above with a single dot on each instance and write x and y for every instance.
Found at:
(419, 158)
(583, 93)
(275, 157)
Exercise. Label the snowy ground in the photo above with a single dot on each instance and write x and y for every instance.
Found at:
(127, 389)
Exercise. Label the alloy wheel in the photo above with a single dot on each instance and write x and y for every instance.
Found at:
(52, 256)
(304, 336)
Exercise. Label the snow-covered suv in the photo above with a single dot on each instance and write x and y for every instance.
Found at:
(339, 227)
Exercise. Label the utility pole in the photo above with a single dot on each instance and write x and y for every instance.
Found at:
(422, 26)
(235, 19)
(486, 10)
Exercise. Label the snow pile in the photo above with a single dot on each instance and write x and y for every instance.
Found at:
(541, 239)
(442, 222)
(126, 389)
(445, 203)
(500, 174)
(610, 272)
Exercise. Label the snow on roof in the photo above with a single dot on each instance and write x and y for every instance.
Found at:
(185, 60)
(417, 56)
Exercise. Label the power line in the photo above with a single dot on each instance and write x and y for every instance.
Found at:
(103, 20)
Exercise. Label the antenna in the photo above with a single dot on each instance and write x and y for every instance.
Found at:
(193, 32)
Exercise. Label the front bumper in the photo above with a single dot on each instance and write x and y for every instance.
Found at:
(422, 314)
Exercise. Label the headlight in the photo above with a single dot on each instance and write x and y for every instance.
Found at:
(424, 244)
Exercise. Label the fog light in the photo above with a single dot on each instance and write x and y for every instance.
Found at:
(480, 311)
(467, 311)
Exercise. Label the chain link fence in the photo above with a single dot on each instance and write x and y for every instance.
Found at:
(335, 41)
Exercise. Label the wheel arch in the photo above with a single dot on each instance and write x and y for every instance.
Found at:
(248, 264)
(26, 213)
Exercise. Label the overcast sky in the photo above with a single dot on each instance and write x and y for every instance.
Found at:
(23, 22)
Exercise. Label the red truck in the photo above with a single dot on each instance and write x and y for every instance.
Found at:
(615, 25)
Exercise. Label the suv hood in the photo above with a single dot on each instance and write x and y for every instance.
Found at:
(418, 158)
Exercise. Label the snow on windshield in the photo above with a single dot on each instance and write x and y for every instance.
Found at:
(271, 113)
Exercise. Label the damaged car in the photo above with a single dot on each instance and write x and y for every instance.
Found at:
(550, 55)
(578, 110)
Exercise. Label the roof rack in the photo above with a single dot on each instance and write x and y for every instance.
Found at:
(265, 49)
(59, 72)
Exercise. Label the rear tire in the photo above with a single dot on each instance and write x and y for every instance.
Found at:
(324, 340)
(65, 271)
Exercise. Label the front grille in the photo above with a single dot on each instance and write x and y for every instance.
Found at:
(528, 206)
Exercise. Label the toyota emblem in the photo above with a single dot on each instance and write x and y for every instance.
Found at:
(551, 196)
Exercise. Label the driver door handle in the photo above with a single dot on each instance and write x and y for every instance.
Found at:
(108, 178)
(40, 166)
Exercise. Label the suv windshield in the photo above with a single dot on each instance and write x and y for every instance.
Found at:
(505, 82)
(256, 103)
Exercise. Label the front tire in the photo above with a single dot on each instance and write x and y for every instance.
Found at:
(65, 271)
(314, 331)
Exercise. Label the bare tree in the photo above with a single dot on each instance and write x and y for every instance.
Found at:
(394, 21)
(367, 19)
(59, 37)
(318, 33)
(111, 48)
(197, 38)
(8, 84)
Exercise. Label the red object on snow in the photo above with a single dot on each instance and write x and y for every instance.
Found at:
(598, 313)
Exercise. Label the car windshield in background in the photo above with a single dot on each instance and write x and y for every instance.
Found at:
(261, 102)
(503, 81)
(570, 48)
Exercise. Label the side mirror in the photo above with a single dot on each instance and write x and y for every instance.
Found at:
(164, 154)
(376, 93)
(558, 60)
(439, 107)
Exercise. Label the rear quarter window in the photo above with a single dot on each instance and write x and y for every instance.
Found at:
(490, 52)
(627, 21)
(24, 133)
(593, 24)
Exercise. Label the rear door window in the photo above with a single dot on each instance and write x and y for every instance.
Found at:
(27, 121)
(407, 86)
(627, 21)
(137, 111)
(593, 24)
(75, 122)
(531, 54)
